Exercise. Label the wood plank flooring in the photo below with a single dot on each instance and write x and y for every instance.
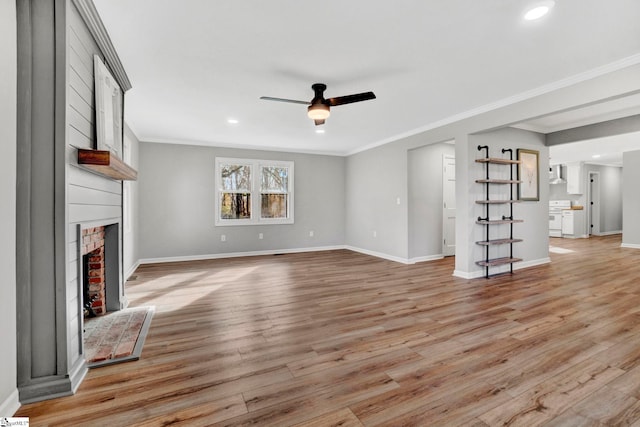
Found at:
(343, 339)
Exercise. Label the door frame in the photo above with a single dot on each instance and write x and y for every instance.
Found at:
(593, 203)
(447, 250)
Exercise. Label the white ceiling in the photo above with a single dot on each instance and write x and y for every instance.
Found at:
(194, 64)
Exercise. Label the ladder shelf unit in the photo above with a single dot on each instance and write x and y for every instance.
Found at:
(489, 239)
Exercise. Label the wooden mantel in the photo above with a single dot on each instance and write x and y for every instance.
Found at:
(106, 164)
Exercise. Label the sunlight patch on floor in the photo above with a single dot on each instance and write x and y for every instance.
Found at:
(557, 250)
(184, 289)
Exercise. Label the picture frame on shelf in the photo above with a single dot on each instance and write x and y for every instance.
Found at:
(529, 175)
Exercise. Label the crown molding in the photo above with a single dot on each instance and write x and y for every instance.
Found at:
(91, 18)
(511, 100)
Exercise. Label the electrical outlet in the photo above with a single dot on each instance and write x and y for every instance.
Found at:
(311, 233)
(223, 238)
(260, 236)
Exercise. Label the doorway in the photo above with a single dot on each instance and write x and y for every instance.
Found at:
(593, 204)
(448, 205)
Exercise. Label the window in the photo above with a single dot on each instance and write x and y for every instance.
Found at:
(253, 192)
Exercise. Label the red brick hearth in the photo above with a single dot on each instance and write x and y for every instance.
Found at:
(93, 248)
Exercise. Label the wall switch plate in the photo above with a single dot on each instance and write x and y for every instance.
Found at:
(311, 233)
(223, 238)
(375, 233)
(260, 236)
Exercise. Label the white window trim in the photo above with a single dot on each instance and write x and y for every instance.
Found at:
(256, 203)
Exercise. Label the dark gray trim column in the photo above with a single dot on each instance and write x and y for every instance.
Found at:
(43, 368)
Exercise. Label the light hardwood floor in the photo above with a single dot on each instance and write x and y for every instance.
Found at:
(343, 339)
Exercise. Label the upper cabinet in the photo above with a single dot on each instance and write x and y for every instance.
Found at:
(575, 183)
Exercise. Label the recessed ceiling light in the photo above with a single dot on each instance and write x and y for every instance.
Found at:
(233, 121)
(596, 156)
(539, 10)
(319, 130)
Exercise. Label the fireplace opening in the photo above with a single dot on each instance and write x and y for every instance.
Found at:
(99, 261)
(94, 295)
(92, 289)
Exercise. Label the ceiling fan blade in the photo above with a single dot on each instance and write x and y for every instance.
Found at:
(348, 99)
(293, 101)
(318, 122)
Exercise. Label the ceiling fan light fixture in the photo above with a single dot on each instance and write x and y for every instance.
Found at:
(318, 111)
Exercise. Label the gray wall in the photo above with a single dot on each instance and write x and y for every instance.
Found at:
(176, 196)
(8, 372)
(375, 180)
(425, 199)
(631, 196)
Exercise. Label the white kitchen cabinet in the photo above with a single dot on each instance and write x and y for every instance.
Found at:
(573, 224)
(574, 178)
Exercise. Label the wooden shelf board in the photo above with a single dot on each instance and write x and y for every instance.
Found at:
(499, 221)
(498, 181)
(498, 242)
(106, 164)
(498, 261)
(491, 202)
(498, 161)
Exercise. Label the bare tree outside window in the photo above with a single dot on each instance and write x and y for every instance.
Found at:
(235, 200)
(274, 189)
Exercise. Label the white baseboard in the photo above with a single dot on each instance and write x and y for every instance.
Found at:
(281, 251)
(608, 233)
(532, 263)
(516, 266)
(467, 274)
(379, 255)
(237, 254)
(10, 405)
(425, 258)
(456, 273)
(630, 246)
(132, 270)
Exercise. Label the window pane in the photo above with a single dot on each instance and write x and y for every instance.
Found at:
(275, 179)
(235, 206)
(274, 205)
(236, 177)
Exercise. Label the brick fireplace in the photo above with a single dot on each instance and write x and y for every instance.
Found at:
(94, 281)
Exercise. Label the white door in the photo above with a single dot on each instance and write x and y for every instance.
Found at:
(448, 205)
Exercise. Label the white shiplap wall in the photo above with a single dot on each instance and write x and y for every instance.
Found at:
(91, 199)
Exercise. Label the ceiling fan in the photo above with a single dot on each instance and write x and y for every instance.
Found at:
(318, 109)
